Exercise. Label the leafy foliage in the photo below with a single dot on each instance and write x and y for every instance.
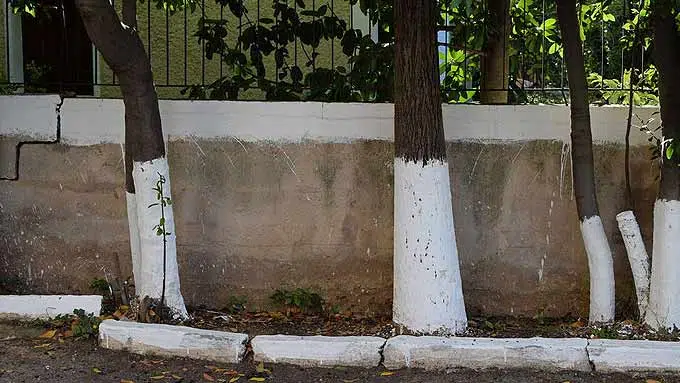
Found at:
(299, 299)
(367, 76)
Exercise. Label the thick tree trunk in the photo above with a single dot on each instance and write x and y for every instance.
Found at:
(600, 263)
(428, 295)
(664, 295)
(145, 159)
(496, 59)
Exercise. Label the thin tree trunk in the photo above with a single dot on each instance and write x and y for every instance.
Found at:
(428, 296)
(664, 298)
(600, 261)
(496, 60)
(145, 159)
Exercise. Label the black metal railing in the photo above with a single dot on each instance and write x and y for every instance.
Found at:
(53, 54)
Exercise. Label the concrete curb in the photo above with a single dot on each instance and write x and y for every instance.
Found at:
(438, 353)
(47, 306)
(608, 355)
(167, 340)
(319, 351)
(426, 352)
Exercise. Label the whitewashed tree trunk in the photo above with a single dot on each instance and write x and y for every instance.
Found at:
(427, 286)
(664, 290)
(600, 263)
(601, 269)
(637, 257)
(152, 272)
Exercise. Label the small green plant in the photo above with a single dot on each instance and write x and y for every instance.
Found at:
(85, 326)
(605, 332)
(236, 305)
(300, 299)
(160, 229)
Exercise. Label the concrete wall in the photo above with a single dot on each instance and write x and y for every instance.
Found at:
(300, 195)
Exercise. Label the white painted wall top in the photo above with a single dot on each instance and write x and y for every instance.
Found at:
(29, 117)
(89, 121)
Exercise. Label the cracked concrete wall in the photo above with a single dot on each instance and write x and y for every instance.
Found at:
(300, 195)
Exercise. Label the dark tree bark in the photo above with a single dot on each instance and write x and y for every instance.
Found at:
(581, 137)
(124, 52)
(496, 59)
(666, 56)
(418, 127)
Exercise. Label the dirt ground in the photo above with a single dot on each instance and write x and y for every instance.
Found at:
(26, 358)
(268, 323)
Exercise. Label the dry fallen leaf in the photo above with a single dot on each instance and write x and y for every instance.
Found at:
(48, 334)
(256, 379)
(232, 380)
(96, 370)
(158, 377)
(652, 381)
(176, 377)
(126, 381)
(386, 373)
(44, 345)
(207, 377)
(350, 380)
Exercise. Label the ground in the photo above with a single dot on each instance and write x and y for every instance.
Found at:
(26, 358)
(269, 323)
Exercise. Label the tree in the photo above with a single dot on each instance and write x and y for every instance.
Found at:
(428, 296)
(600, 263)
(496, 59)
(664, 295)
(146, 168)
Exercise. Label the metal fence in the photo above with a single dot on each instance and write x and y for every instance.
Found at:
(51, 52)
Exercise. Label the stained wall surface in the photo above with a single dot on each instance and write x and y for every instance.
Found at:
(287, 195)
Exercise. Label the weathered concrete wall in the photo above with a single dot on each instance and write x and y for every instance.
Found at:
(259, 207)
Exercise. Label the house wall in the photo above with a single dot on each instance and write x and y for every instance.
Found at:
(285, 195)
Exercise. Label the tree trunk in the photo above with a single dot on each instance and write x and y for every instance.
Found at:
(600, 263)
(428, 295)
(145, 159)
(496, 59)
(664, 295)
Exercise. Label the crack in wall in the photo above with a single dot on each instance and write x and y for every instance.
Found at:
(17, 153)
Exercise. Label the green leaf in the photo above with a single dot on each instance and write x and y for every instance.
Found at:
(669, 151)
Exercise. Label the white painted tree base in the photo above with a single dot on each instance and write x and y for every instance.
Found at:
(145, 175)
(663, 311)
(637, 257)
(601, 270)
(428, 295)
(134, 238)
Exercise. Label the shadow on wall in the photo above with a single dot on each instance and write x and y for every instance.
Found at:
(254, 217)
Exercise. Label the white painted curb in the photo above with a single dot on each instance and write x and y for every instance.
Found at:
(438, 353)
(167, 340)
(47, 306)
(318, 351)
(608, 355)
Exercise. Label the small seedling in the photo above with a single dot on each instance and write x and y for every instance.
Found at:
(299, 299)
(160, 228)
(236, 305)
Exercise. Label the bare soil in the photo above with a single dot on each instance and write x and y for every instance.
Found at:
(269, 323)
